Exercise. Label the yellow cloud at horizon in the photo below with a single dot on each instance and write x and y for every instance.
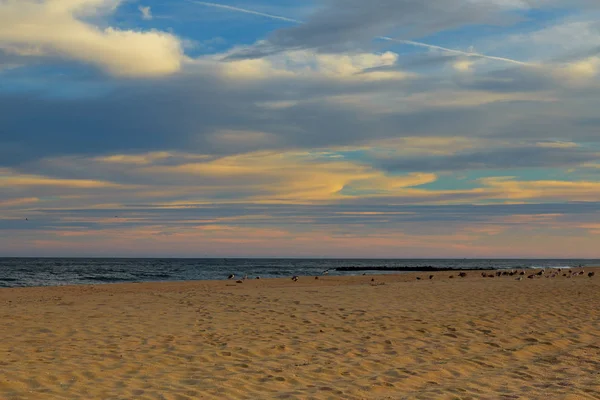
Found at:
(294, 176)
(14, 180)
(18, 201)
(288, 177)
(511, 188)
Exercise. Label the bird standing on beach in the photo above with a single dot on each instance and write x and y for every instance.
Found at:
(295, 278)
(231, 276)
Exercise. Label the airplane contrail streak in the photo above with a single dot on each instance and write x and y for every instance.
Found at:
(464, 53)
(408, 42)
(245, 11)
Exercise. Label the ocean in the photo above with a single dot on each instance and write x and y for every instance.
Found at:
(18, 272)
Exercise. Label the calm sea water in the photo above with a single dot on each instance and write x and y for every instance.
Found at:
(71, 271)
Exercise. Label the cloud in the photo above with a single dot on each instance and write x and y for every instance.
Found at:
(313, 109)
(578, 72)
(565, 51)
(12, 180)
(500, 230)
(557, 144)
(354, 66)
(265, 48)
(499, 158)
(297, 177)
(17, 202)
(61, 29)
(567, 37)
(146, 12)
(340, 25)
(548, 190)
(467, 54)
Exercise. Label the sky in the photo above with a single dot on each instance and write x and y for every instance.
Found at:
(279, 128)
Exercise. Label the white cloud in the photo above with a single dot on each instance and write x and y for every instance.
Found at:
(463, 65)
(563, 36)
(146, 12)
(568, 42)
(57, 28)
(578, 72)
(307, 63)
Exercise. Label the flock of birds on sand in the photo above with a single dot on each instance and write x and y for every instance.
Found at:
(294, 278)
(520, 274)
(553, 273)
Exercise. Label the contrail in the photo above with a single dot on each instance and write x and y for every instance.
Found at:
(464, 53)
(389, 39)
(243, 10)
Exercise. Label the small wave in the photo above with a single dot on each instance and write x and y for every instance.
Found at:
(9, 279)
(155, 276)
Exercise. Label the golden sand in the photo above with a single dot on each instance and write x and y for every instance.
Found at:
(331, 338)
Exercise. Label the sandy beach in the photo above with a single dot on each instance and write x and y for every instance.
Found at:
(329, 338)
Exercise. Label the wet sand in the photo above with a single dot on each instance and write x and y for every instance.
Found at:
(333, 338)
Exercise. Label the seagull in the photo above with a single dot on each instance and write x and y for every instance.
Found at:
(295, 278)
(231, 276)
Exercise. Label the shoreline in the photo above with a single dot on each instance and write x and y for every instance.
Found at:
(395, 274)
